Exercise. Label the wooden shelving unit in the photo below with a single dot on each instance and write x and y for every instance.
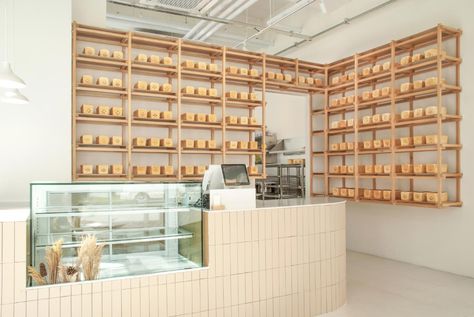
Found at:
(445, 64)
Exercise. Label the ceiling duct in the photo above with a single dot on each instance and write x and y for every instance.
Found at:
(182, 5)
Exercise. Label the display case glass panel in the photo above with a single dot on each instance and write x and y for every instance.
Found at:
(143, 227)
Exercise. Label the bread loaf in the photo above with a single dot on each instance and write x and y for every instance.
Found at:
(166, 115)
(153, 142)
(117, 55)
(86, 169)
(231, 120)
(433, 139)
(405, 60)
(367, 144)
(211, 144)
(334, 146)
(231, 94)
(377, 144)
(243, 120)
(167, 61)
(385, 91)
(368, 193)
(416, 57)
(435, 197)
(88, 51)
(366, 95)
(188, 64)
(167, 170)
(102, 169)
(386, 194)
(212, 92)
(199, 170)
(212, 67)
(86, 139)
(376, 69)
(418, 140)
(116, 140)
(243, 71)
(406, 196)
(200, 65)
(117, 169)
(253, 145)
(279, 76)
(87, 80)
(140, 113)
(287, 77)
(139, 170)
(366, 71)
(366, 119)
(386, 143)
(376, 118)
(387, 169)
(232, 70)
(200, 144)
(187, 144)
(406, 87)
(166, 142)
(139, 141)
(103, 110)
(343, 192)
(116, 111)
(201, 91)
(433, 168)
(253, 72)
(433, 110)
(141, 84)
(243, 145)
(154, 59)
(103, 52)
(231, 145)
(419, 197)
(418, 84)
(253, 96)
(87, 109)
(419, 168)
(243, 95)
(200, 117)
(377, 194)
(376, 93)
(188, 90)
(406, 114)
(154, 114)
(154, 86)
(406, 141)
(211, 117)
(406, 168)
(153, 170)
(166, 87)
(386, 117)
(334, 169)
(141, 58)
(386, 65)
(418, 113)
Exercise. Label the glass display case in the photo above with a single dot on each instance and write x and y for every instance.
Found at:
(143, 227)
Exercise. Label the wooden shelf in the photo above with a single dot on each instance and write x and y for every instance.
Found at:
(156, 150)
(100, 119)
(243, 152)
(236, 127)
(200, 151)
(153, 69)
(101, 148)
(96, 90)
(146, 94)
(154, 122)
(200, 74)
(193, 98)
(201, 125)
(101, 63)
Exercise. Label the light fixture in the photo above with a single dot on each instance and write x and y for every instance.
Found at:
(8, 79)
(322, 6)
(12, 96)
(289, 11)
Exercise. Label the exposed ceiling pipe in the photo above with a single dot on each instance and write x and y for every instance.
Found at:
(213, 12)
(215, 27)
(275, 21)
(335, 26)
(204, 17)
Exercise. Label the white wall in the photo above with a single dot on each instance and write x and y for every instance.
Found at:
(89, 12)
(35, 139)
(440, 239)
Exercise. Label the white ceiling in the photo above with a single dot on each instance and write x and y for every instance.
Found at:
(180, 18)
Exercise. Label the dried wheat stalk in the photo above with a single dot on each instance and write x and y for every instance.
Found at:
(36, 276)
(89, 256)
(52, 257)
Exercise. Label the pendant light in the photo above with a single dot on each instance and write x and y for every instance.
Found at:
(12, 96)
(8, 79)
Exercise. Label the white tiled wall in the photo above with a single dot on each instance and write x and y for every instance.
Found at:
(267, 262)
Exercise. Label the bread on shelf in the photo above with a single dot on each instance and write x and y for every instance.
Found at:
(154, 59)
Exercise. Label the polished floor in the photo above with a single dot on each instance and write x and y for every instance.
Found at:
(383, 288)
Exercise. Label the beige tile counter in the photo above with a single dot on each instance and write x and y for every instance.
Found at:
(277, 260)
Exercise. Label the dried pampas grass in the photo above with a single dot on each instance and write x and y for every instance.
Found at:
(89, 256)
(68, 274)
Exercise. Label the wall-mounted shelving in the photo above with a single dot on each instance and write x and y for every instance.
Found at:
(366, 87)
(248, 79)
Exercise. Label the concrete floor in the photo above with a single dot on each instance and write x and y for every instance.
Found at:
(383, 288)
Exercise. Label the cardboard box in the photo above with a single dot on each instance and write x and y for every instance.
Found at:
(102, 140)
(253, 145)
(350, 99)
(343, 101)
(153, 170)
(167, 170)
(87, 80)
(166, 142)
(86, 139)
(139, 141)
(117, 83)
(154, 86)
(335, 80)
(335, 125)
(141, 85)
(102, 169)
(154, 59)
(86, 169)
(141, 58)
(154, 114)
(116, 140)
(140, 113)
(102, 81)
(166, 115)
(231, 145)
(301, 80)
(187, 144)
(211, 117)
(368, 169)
(167, 60)
(200, 144)
(88, 50)
(87, 109)
(350, 123)
(153, 142)
(139, 170)
(318, 82)
(117, 169)
(116, 111)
